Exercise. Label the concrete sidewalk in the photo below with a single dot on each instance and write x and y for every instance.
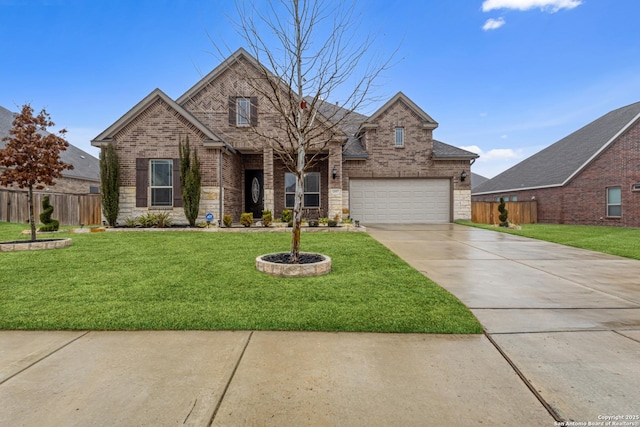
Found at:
(258, 379)
(566, 318)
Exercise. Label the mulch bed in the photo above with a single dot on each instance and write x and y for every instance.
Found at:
(285, 258)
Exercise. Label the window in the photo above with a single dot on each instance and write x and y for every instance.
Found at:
(311, 197)
(243, 111)
(399, 137)
(614, 201)
(161, 183)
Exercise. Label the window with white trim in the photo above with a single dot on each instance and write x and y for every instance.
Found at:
(311, 197)
(243, 111)
(614, 201)
(399, 141)
(161, 183)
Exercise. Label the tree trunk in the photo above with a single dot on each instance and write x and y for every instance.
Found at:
(297, 208)
(32, 221)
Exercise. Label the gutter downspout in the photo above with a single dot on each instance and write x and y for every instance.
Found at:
(220, 197)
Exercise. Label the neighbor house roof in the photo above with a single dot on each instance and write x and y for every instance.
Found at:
(557, 164)
(85, 166)
(477, 180)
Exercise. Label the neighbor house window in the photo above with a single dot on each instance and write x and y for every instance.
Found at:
(399, 137)
(614, 201)
(311, 197)
(161, 183)
(243, 111)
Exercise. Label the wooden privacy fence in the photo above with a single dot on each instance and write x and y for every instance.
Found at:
(519, 212)
(69, 209)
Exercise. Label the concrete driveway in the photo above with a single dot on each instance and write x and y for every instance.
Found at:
(568, 320)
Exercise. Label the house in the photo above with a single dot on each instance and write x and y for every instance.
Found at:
(84, 178)
(476, 180)
(382, 168)
(591, 177)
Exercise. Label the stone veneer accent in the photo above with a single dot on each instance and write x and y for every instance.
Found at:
(462, 204)
(294, 270)
(209, 202)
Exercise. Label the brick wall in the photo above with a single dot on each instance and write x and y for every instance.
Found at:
(583, 201)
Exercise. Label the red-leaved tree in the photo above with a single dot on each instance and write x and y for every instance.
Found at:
(31, 157)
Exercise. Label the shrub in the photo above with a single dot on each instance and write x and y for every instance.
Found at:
(190, 180)
(246, 219)
(504, 214)
(227, 221)
(157, 220)
(110, 184)
(287, 215)
(130, 222)
(347, 220)
(332, 223)
(336, 217)
(313, 223)
(267, 218)
(323, 221)
(45, 216)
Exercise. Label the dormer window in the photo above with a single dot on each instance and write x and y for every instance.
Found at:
(399, 142)
(243, 111)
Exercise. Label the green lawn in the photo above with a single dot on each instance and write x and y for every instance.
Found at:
(208, 281)
(619, 241)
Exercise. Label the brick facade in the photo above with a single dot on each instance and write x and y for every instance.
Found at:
(583, 201)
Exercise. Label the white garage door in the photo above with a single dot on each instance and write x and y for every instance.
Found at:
(400, 200)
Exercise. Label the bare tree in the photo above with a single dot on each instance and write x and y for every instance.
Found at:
(318, 54)
(32, 155)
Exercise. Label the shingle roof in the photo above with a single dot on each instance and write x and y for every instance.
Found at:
(446, 151)
(557, 164)
(85, 166)
(477, 180)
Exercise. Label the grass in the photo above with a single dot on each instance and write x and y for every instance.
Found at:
(624, 242)
(208, 281)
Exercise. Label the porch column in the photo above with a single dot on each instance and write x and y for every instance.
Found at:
(267, 162)
(335, 185)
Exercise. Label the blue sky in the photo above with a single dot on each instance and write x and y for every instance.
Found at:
(504, 78)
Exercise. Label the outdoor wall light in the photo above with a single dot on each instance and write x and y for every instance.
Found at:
(463, 175)
(334, 172)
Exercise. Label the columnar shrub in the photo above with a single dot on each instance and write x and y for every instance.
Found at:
(504, 214)
(190, 181)
(49, 224)
(110, 184)
(227, 220)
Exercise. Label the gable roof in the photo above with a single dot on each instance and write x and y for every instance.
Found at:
(429, 123)
(477, 180)
(85, 166)
(557, 164)
(106, 136)
(442, 151)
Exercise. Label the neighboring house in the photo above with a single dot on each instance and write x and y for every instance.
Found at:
(383, 168)
(476, 180)
(591, 177)
(84, 178)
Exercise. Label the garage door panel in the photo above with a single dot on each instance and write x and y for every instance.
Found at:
(400, 200)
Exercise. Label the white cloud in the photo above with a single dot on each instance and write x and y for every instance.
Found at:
(495, 154)
(546, 5)
(493, 24)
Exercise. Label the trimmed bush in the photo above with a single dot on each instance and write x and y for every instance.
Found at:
(287, 215)
(227, 221)
(332, 223)
(267, 218)
(246, 219)
(45, 216)
(504, 214)
(313, 223)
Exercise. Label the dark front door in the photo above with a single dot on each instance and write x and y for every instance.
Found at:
(254, 192)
